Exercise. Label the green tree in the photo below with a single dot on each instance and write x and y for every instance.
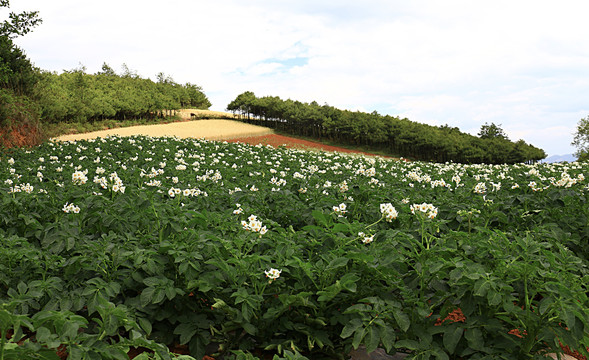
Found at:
(581, 140)
(18, 24)
(243, 103)
(106, 70)
(17, 76)
(16, 71)
(490, 131)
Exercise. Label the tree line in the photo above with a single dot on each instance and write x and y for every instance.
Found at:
(77, 96)
(390, 134)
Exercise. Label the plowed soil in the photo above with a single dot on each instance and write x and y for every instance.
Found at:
(280, 140)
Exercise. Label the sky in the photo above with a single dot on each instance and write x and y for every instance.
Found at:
(520, 64)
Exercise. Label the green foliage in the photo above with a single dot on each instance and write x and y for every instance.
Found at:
(581, 139)
(490, 131)
(390, 134)
(246, 252)
(17, 78)
(16, 72)
(18, 24)
(80, 97)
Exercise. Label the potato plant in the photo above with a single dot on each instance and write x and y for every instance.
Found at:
(237, 251)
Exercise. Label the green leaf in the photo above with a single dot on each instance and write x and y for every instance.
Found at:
(197, 347)
(145, 324)
(153, 281)
(337, 263)
(186, 332)
(456, 275)
(339, 227)
(474, 336)
(358, 337)
(170, 292)
(407, 344)
(146, 296)
(319, 217)
(435, 267)
(158, 296)
(351, 327)
(452, 336)
(387, 337)
(440, 354)
(249, 328)
(43, 334)
(372, 339)
(70, 243)
(69, 330)
(348, 282)
(358, 308)
(117, 353)
(246, 311)
(329, 293)
(402, 319)
(493, 297)
(481, 287)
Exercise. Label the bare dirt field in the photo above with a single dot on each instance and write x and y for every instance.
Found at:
(208, 129)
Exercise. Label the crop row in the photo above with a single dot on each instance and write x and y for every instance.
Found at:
(233, 249)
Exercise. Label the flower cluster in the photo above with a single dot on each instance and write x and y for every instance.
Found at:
(567, 181)
(272, 274)
(172, 192)
(70, 208)
(366, 239)
(480, 188)
(277, 182)
(153, 182)
(79, 177)
(254, 225)
(117, 183)
(388, 211)
(153, 173)
(340, 210)
(28, 188)
(468, 213)
(428, 209)
(439, 183)
(534, 186)
(239, 210)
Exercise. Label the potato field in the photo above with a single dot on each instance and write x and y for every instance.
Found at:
(236, 251)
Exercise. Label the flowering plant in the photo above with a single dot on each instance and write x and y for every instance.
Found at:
(170, 256)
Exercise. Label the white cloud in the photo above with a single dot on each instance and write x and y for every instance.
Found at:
(521, 64)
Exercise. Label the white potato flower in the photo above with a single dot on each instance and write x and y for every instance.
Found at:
(273, 274)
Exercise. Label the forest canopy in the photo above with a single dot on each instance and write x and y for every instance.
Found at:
(77, 96)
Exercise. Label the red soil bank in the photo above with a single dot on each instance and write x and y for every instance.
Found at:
(280, 140)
